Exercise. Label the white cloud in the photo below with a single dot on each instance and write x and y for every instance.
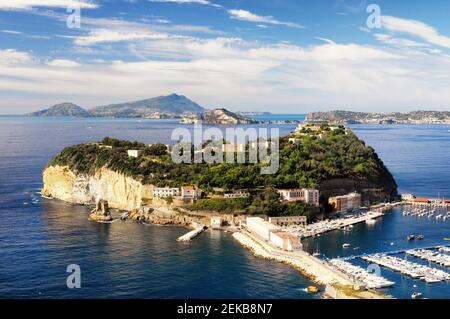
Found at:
(204, 2)
(245, 15)
(416, 28)
(326, 40)
(62, 63)
(183, 1)
(385, 38)
(234, 73)
(12, 56)
(117, 35)
(29, 4)
(11, 32)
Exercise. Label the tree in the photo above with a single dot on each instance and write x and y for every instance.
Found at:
(156, 150)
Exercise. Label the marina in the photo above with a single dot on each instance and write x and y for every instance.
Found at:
(372, 281)
(345, 223)
(439, 213)
(432, 256)
(411, 269)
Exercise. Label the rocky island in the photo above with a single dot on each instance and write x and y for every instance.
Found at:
(348, 117)
(145, 184)
(334, 161)
(218, 117)
(162, 107)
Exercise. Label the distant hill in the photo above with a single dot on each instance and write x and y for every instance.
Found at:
(63, 109)
(169, 106)
(217, 116)
(172, 104)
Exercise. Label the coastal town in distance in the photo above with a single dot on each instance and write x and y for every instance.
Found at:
(223, 158)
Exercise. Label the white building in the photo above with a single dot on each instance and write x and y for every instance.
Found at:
(190, 192)
(216, 222)
(260, 145)
(237, 194)
(134, 153)
(166, 192)
(261, 227)
(406, 197)
(272, 233)
(285, 241)
(311, 196)
(306, 195)
(233, 148)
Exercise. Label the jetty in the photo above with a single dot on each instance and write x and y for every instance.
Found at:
(199, 228)
(429, 255)
(331, 225)
(338, 283)
(395, 252)
(372, 281)
(411, 269)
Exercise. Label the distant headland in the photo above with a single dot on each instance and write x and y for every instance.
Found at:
(349, 117)
(172, 106)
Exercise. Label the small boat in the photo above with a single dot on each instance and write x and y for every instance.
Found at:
(416, 295)
(371, 221)
(312, 289)
(410, 237)
(447, 238)
(421, 237)
(346, 245)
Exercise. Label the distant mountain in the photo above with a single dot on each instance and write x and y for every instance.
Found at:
(172, 104)
(217, 116)
(63, 109)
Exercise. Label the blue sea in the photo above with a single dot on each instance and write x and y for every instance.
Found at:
(39, 238)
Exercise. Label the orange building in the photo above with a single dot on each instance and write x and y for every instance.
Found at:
(346, 202)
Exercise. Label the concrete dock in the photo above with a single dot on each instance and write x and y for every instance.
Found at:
(192, 234)
(318, 270)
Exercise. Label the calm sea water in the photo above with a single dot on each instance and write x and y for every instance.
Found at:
(39, 238)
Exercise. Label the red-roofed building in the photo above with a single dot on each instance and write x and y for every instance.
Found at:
(190, 192)
(420, 200)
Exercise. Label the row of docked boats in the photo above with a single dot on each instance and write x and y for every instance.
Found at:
(413, 270)
(428, 213)
(429, 255)
(372, 281)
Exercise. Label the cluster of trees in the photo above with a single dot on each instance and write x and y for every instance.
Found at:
(266, 202)
(337, 155)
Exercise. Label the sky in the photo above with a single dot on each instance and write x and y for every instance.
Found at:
(279, 56)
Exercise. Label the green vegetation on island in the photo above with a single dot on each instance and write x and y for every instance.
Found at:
(308, 159)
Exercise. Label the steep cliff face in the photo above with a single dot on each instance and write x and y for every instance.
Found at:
(371, 191)
(121, 192)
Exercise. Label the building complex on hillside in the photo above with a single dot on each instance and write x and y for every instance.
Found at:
(237, 194)
(233, 148)
(166, 192)
(134, 153)
(285, 221)
(306, 195)
(345, 202)
(190, 192)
